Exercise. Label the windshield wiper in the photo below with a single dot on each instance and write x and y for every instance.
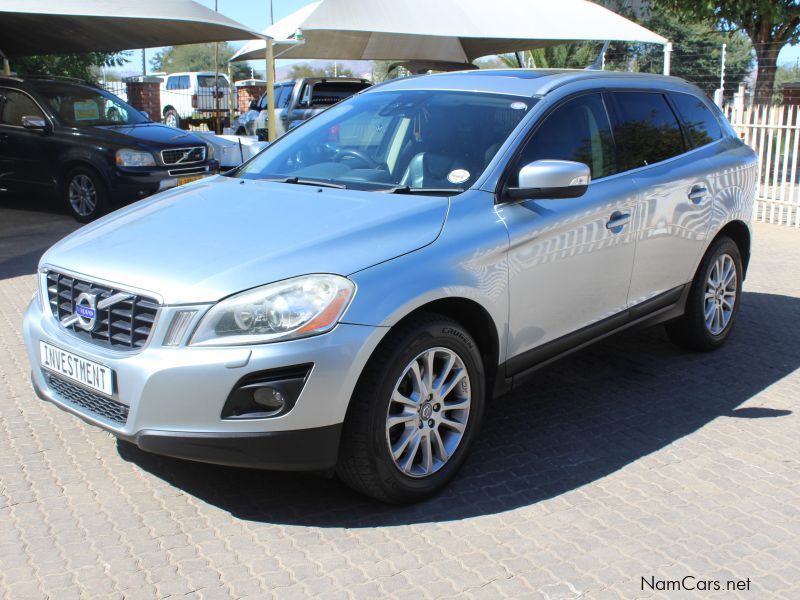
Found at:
(298, 181)
(404, 189)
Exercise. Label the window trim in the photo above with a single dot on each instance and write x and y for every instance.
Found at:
(5, 89)
(534, 127)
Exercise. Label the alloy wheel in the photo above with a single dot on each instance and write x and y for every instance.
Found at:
(82, 195)
(428, 412)
(720, 296)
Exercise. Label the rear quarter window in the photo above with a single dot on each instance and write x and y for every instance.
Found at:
(646, 129)
(700, 122)
(329, 93)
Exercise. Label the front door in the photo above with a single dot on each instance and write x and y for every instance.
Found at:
(23, 155)
(570, 260)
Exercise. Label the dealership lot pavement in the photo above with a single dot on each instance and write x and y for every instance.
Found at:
(631, 460)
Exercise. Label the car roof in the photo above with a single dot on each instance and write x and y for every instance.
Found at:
(528, 82)
(38, 80)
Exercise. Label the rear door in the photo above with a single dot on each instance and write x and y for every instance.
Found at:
(674, 208)
(23, 152)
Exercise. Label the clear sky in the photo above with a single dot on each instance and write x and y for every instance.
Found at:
(255, 14)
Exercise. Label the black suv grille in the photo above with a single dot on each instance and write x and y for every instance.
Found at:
(94, 403)
(184, 156)
(124, 325)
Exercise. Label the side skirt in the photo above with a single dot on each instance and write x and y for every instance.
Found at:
(665, 307)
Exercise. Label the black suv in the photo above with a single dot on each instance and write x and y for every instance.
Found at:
(89, 146)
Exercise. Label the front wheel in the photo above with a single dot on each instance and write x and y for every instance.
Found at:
(85, 194)
(713, 300)
(415, 412)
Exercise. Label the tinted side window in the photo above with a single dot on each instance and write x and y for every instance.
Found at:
(16, 106)
(701, 123)
(171, 82)
(183, 82)
(578, 130)
(286, 96)
(645, 129)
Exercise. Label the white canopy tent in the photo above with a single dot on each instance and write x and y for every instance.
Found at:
(29, 27)
(457, 31)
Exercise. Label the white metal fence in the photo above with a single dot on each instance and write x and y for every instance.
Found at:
(774, 133)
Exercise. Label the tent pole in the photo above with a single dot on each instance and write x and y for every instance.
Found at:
(272, 126)
(667, 57)
(6, 66)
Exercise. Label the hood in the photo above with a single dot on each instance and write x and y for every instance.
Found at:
(147, 133)
(218, 236)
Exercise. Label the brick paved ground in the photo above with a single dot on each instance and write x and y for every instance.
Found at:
(632, 459)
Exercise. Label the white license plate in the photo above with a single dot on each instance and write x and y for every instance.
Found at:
(77, 369)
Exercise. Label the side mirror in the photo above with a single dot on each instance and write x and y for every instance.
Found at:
(34, 122)
(253, 104)
(550, 179)
(145, 114)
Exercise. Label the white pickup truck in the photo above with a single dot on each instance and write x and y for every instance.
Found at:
(192, 98)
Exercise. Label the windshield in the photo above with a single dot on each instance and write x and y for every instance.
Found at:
(78, 106)
(409, 139)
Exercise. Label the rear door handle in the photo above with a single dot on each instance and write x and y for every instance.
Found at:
(698, 194)
(618, 220)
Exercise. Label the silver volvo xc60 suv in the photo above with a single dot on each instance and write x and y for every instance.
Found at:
(354, 296)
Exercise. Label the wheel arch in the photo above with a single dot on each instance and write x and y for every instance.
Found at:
(740, 233)
(81, 162)
(473, 317)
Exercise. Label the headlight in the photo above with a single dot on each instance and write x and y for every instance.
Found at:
(135, 158)
(290, 309)
(211, 152)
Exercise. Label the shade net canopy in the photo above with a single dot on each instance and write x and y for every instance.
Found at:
(29, 27)
(457, 31)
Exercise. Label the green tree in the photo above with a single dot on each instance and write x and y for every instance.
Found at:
(198, 57)
(770, 25)
(696, 51)
(300, 70)
(80, 66)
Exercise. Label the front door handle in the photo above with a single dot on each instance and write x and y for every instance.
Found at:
(698, 194)
(618, 220)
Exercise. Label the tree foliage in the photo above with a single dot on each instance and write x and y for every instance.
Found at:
(770, 25)
(300, 70)
(696, 56)
(80, 66)
(198, 57)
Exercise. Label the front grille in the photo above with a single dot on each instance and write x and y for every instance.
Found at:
(83, 398)
(124, 325)
(184, 156)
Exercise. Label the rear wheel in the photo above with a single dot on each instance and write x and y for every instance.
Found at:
(172, 118)
(713, 299)
(85, 194)
(415, 412)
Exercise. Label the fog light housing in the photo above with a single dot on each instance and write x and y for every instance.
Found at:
(266, 394)
(270, 398)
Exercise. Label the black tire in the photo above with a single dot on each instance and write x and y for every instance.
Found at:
(95, 202)
(691, 331)
(365, 461)
(171, 114)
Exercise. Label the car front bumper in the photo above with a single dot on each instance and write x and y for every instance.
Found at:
(137, 183)
(175, 395)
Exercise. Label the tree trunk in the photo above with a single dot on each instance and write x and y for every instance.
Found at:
(767, 57)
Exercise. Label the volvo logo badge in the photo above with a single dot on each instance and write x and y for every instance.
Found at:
(86, 307)
(86, 311)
